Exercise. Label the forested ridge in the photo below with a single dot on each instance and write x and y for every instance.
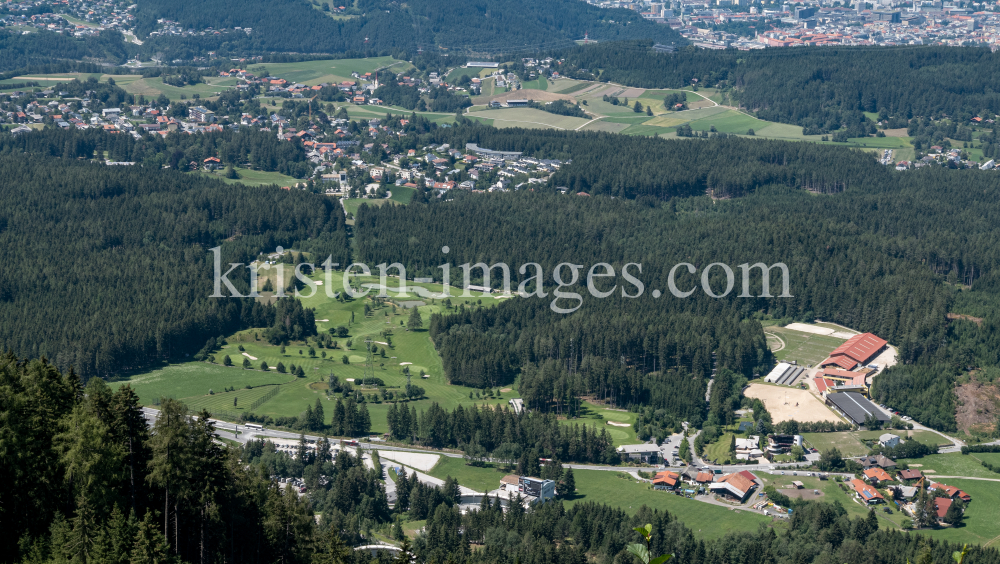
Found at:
(387, 26)
(822, 88)
(120, 257)
(873, 257)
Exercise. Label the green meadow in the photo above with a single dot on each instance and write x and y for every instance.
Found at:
(329, 70)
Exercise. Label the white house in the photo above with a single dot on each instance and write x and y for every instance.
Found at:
(888, 440)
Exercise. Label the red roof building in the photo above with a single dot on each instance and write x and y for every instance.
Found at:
(704, 478)
(941, 505)
(859, 349)
(868, 494)
(669, 479)
(952, 492)
(877, 475)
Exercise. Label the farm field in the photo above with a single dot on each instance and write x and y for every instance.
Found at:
(329, 70)
(567, 86)
(617, 489)
(254, 177)
(806, 348)
(529, 118)
(846, 442)
(831, 492)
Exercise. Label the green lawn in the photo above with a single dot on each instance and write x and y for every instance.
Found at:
(402, 194)
(729, 121)
(832, 492)
(617, 489)
(719, 450)
(806, 348)
(846, 442)
(154, 86)
(538, 84)
(479, 479)
(352, 204)
(926, 437)
(567, 86)
(254, 177)
(456, 73)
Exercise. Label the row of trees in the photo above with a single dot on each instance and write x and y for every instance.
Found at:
(495, 433)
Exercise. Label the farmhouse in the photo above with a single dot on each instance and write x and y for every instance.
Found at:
(859, 349)
(904, 475)
(951, 491)
(941, 506)
(866, 493)
(736, 486)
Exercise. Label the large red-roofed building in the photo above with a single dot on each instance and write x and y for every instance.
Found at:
(859, 349)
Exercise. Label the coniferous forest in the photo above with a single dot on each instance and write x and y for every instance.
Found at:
(819, 88)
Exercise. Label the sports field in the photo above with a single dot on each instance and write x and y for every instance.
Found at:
(329, 70)
(807, 349)
(529, 118)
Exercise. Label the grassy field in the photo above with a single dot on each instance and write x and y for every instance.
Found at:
(538, 84)
(846, 442)
(926, 437)
(729, 121)
(719, 450)
(352, 204)
(954, 464)
(529, 118)
(805, 348)
(567, 86)
(329, 70)
(617, 489)
(191, 381)
(154, 86)
(832, 492)
(254, 177)
(479, 479)
(982, 516)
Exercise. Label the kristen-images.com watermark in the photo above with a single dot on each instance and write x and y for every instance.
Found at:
(600, 279)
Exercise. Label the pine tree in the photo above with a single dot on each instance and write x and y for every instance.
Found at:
(568, 484)
(226, 361)
(415, 322)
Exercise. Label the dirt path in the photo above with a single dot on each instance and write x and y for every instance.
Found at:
(780, 340)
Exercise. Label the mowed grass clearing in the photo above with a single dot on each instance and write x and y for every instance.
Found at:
(481, 479)
(846, 442)
(329, 70)
(952, 464)
(254, 177)
(806, 348)
(599, 417)
(529, 118)
(617, 489)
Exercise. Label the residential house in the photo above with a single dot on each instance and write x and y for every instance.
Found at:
(876, 475)
(866, 493)
(666, 480)
(212, 163)
(888, 440)
(906, 475)
(878, 460)
(941, 506)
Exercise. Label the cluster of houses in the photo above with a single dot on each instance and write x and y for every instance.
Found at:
(736, 486)
(98, 15)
